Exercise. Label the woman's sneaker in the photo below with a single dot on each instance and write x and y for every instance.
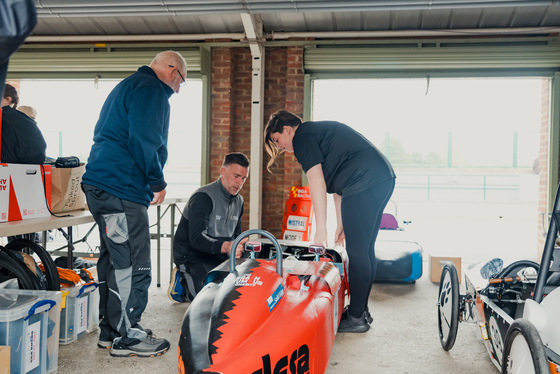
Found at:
(353, 324)
(149, 347)
(368, 316)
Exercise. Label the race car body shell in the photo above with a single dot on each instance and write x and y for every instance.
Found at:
(255, 321)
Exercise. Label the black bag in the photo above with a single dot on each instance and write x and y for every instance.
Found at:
(67, 162)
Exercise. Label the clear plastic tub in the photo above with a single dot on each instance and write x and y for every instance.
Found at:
(80, 314)
(29, 324)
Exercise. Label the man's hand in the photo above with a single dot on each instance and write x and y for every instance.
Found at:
(226, 247)
(158, 197)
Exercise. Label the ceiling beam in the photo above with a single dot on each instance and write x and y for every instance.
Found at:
(253, 26)
(254, 31)
(111, 8)
(519, 31)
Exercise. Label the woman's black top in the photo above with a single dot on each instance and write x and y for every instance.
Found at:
(350, 162)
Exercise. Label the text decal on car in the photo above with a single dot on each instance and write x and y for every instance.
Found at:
(275, 297)
(245, 280)
(298, 364)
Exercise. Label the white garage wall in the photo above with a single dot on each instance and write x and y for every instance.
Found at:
(68, 110)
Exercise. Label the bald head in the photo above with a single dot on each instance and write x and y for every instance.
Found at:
(170, 68)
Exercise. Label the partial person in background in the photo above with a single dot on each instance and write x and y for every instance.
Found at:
(209, 224)
(124, 175)
(17, 20)
(339, 160)
(29, 111)
(22, 141)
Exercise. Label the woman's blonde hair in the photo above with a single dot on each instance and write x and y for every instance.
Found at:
(276, 124)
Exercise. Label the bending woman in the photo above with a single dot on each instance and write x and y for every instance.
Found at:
(339, 160)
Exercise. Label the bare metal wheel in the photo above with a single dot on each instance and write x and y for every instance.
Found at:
(448, 306)
(524, 351)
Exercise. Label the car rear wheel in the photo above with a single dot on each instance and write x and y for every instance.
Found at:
(524, 351)
(448, 306)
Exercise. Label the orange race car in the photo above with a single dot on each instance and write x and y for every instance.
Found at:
(276, 312)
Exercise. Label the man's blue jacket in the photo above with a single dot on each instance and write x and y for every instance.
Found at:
(130, 139)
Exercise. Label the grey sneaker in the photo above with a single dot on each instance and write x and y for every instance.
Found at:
(149, 347)
(107, 344)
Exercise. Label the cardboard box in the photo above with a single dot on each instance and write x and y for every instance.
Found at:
(66, 190)
(22, 192)
(436, 266)
(4, 359)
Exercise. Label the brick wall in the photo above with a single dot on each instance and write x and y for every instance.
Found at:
(283, 90)
(230, 131)
(222, 104)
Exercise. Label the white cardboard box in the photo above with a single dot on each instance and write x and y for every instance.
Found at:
(22, 193)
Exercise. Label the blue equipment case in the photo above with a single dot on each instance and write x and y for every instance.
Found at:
(398, 261)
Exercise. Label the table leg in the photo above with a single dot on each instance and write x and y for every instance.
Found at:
(44, 241)
(172, 237)
(158, 245)
(70, 248)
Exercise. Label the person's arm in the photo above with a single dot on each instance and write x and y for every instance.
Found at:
(238, 228)
(226, 246)
(149, 117)
(339, 234)
(318, 192)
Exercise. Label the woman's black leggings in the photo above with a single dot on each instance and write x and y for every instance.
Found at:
(361, 218)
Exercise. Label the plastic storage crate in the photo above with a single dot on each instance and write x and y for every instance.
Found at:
(29, 324)
(81, 312)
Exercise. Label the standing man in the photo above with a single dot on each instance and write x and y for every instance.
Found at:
(209, 224)
(124, 175)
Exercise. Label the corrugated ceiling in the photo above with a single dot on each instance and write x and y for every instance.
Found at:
(176, 17)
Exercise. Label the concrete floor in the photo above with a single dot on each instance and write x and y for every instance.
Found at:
(403, 337)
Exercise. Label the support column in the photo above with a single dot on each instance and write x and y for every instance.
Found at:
(254, 32)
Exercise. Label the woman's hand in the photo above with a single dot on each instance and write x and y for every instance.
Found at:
(321, 238)
(339, 236)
